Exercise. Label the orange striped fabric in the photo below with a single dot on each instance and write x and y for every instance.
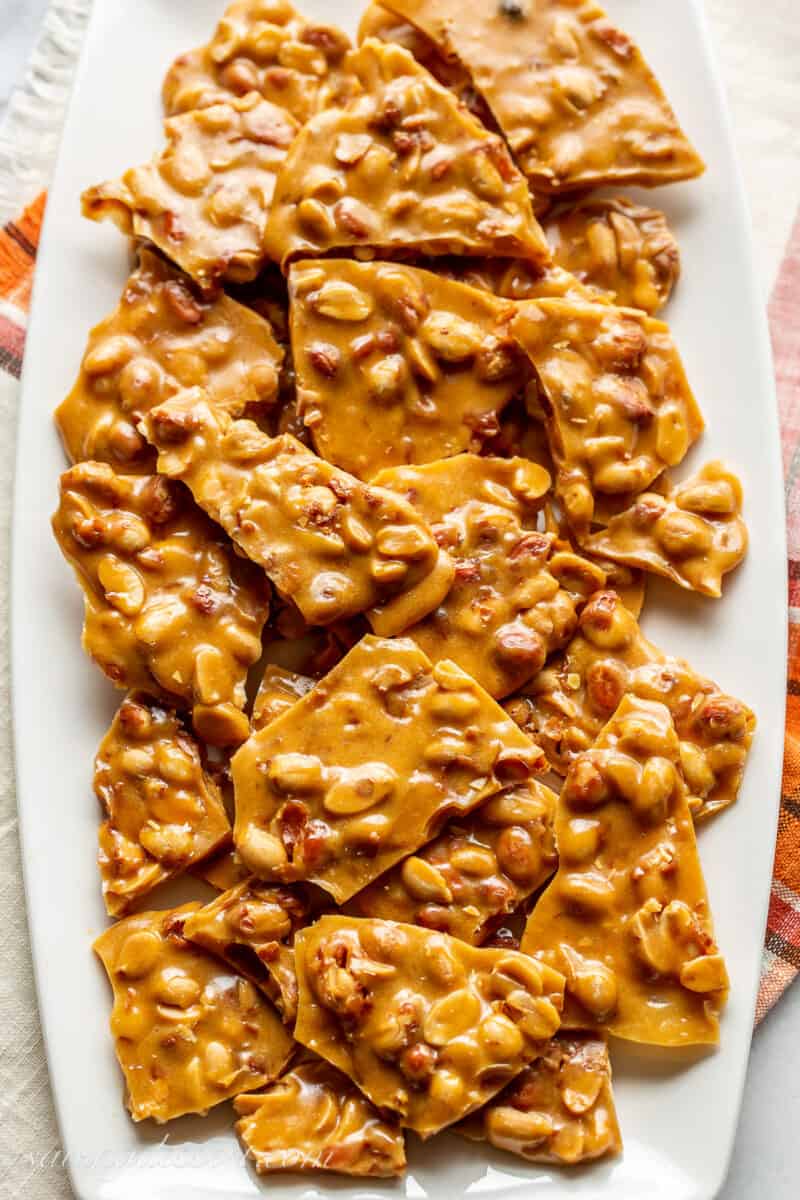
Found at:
(18, 242)
(782, 945)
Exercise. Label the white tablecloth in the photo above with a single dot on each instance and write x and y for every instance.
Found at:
(759, 49)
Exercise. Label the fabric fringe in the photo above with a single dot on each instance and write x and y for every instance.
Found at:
(32, 124)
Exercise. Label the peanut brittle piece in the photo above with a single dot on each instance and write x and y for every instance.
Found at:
(331, 544)
(203, 200)
(169, 608)
(416, 363)
(278, 691)
(693, 535)
(249, 927)
(558, 1110)
(262, 46)
(423, 1023)
(618, 405)
(378, 22)
(164, 813)
(478, 870)
(566, 706)
(188, 1033)
(505, 612)
(621, 251)
(402, 167)
(368, 767)
(162, 337)
(313, 1118)
(573, 95)
(626, 917)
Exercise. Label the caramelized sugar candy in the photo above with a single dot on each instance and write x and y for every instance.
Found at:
(188, 1033)
(203, 200)
(505, 611)
(403, 167)
(619, 408)
(278, 691)
(626, 918)
(169, 608)
(252, 927)
(424, 1024)
(417, 364)
(313, 1118)
(582, 574)
(331, 544)
(163, 811)
(378, 22)
(262, 46)
(477, 871)
(369, 766)
(621, 251)
(693, 535)
(558, 1110)
(163, 337)
(573, 95)
(566, 706)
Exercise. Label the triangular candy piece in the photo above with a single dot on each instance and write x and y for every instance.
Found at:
(262, 46)
(188, 1033)
(403, 167)
(626, 917)
(618, 406)
(505, 612)
(572, 93)
(421, 366)
(163, 336)
(203, 200)
(164, 812)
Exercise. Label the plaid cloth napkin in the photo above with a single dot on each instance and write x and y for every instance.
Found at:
(781, 960)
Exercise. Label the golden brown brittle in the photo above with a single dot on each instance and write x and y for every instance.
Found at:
(203, 200)
(566, 706)
(620, 250)
(423, 1023)
(505, 611)
(368, 766)
(619, 408)
(251, 926)
(262, 46)
(164, 813)
(571, 92)
(558, 1110)
(626, 917)
(330, 543)
(162, 337)
(478, 870)
(692, 534)
(169, 608)
(313, 1118)
(403, 167)
(188, 1033)
(419, 365)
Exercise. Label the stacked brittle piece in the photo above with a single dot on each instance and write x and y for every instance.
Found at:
(369, 467)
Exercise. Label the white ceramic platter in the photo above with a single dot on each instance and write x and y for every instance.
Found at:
(678, 1112)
